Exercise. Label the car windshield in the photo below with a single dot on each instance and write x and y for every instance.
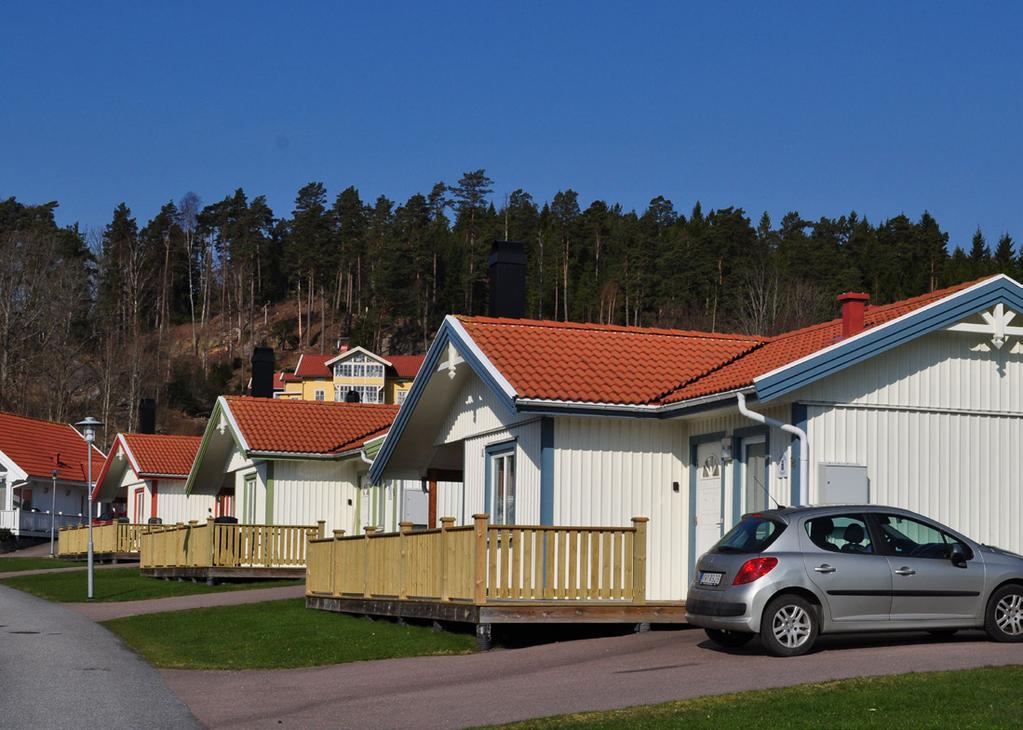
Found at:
(752, 535)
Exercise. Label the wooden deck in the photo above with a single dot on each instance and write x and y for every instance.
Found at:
(116, 542)
(212, 551)
(486, 574)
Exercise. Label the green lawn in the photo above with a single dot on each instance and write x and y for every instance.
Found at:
(275, 635)
(121, 584)
(973, 698)
(13, 565)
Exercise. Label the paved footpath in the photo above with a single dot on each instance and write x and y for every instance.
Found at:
(72, 569)
(595, 674)
(60, 670)
(116, 609)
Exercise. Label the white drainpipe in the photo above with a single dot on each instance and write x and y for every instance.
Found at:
(804, 444)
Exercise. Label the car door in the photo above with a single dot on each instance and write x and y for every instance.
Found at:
(926, 585)
(844, 564)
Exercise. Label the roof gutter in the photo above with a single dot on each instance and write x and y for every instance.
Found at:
(539, 404)
(804, 445)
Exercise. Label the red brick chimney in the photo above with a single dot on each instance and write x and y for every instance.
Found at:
(853, 306)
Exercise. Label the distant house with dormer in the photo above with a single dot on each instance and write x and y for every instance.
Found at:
(350, 374)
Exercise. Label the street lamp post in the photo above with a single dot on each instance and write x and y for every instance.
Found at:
(89, 426)
(53, 505)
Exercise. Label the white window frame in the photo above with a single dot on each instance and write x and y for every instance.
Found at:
(501, 464)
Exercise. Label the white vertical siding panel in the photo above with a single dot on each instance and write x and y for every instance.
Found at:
(308, 491)
(527, 471)
(173, 506)
(961, 469)
(609, 470)
(472, 412)
(449, 501)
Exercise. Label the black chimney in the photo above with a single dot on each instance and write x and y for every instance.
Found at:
(263, 372)
(507, 265)
(147, 415)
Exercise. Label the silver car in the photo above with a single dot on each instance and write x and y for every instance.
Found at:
(792, 574)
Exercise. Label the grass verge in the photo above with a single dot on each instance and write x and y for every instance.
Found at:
(122, 584)
(275, 635)
(971, 698)
(13, 565)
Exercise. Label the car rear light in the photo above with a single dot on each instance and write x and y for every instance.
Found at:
(753, 569)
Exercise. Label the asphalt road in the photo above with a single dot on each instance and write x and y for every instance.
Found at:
(594, 674)
(58, 669)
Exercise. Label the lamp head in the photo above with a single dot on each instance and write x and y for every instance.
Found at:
(88, 427)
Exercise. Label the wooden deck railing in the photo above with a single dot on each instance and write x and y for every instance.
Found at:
(117, 537)
(483, 563)
(213, 545)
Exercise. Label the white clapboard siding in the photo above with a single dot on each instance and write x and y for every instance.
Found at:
(472, 412)
(307, 491)
(609, 470)
(943, 370)
(173, 506)
(527, 472)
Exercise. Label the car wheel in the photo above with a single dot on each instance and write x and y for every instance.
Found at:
(789, 626)
(1004, 618)
(729, 639)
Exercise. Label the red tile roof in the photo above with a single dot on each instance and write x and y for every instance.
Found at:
(645, 366)
(38, 447)
(599, 363)
(162, 455)
(791, 346)
(308, 427)
(406, 366)
(313, 366)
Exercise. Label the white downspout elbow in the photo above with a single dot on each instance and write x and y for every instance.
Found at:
(804, 444)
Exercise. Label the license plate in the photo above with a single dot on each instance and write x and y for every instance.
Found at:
(710, 579)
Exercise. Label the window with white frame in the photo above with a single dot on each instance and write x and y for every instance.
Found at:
(367, 393)
(320, 395)
(399, 396)
(359, 366)
(501, 462)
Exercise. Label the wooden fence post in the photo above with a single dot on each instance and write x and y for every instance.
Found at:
(334, 588)
(365, 570)
(211, 525)
(639, 560)
(479, 594)
(446, 523)
(321, 528)
(404, 528)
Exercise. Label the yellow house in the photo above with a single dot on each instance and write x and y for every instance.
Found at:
(332, 378)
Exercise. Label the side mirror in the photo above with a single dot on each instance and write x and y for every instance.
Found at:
(957, 554)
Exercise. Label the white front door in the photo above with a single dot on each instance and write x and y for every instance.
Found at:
(709, 518)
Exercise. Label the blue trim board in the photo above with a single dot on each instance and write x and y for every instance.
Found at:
(874, 342)
(502, 447)
(798, 420)
(738, 436)
(547, 471)
(694, 442)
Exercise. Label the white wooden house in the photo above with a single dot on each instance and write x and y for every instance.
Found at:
(916, 404)
(295, 462)
(144, 476)
(43, 472)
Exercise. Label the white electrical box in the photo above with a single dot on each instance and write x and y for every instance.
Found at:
(843, 484)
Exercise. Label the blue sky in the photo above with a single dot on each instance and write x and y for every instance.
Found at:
(818, 107)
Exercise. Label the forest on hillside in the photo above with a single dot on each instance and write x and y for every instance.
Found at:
(171, 307)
